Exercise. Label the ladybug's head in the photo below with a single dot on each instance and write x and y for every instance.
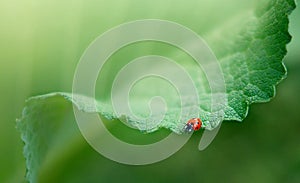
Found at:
(189, 127)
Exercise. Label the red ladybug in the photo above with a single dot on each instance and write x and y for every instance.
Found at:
(193, 124)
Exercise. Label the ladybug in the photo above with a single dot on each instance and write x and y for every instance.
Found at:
(193, 124)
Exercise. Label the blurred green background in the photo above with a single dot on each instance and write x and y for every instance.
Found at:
(41, 42)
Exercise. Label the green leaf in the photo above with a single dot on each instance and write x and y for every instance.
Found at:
(249, 43)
